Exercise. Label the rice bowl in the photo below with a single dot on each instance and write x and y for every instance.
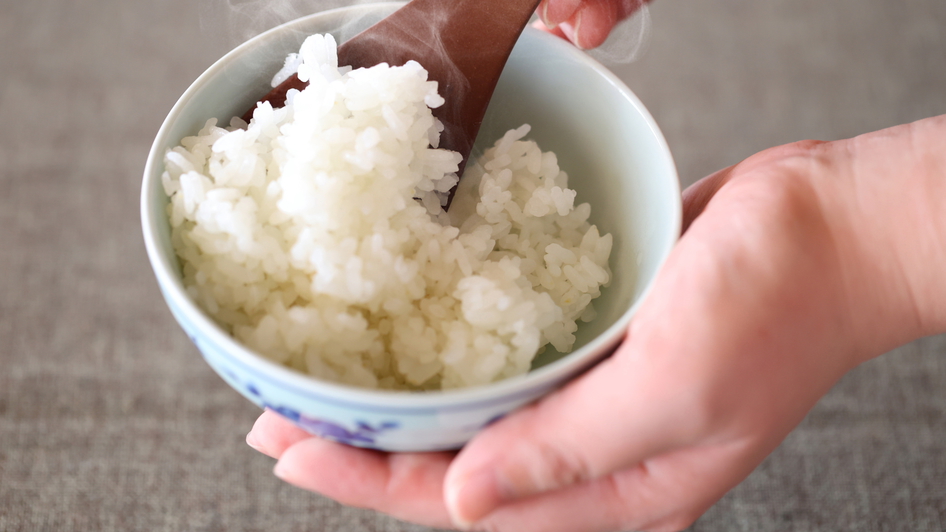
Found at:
(576, 108)
(317, 235)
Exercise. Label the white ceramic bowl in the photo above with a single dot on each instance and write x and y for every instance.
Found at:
(608, 143)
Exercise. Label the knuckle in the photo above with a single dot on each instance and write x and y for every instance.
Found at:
(559, 466)
(803, 149)
(676, 524)
(634, 507)
(673, 524)
(488, 525)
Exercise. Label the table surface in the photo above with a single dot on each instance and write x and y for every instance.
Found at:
(110, 420)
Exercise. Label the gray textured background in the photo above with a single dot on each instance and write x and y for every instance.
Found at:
(109, 419)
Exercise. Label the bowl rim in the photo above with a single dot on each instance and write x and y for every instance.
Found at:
(523, 386)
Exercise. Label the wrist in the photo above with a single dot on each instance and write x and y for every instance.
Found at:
(884, 196)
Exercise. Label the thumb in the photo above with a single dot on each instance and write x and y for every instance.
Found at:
(613, 417)
(698, 195)
(579, 433)
(586, 23)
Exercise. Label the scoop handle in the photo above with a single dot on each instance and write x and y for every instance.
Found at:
(463, 44)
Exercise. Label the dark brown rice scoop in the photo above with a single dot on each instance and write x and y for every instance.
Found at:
(463, 45)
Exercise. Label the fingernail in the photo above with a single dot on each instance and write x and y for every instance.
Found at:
(252, 442)
(570, 30)
(544, 15)
(576, 31)
(472, 498)
(280, 471)
(563, 10)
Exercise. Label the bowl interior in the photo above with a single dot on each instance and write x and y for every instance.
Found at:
(613, 152)
(605, 139)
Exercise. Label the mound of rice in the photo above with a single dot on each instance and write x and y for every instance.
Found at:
(316, 235)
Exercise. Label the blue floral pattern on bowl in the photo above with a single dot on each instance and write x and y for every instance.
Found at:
(363, 436)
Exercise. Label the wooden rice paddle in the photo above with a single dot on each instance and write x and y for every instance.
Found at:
(463, 44)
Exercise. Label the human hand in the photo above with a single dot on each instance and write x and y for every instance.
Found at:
(798, 264)
(586, 23)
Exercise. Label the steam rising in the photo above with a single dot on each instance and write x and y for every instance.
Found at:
(235, 21)
(627, 40)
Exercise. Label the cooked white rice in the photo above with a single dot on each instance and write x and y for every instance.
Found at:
(302, 234)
